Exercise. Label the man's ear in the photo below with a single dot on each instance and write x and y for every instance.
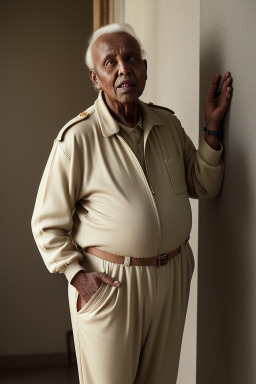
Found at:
(146, 65)
(94, 79)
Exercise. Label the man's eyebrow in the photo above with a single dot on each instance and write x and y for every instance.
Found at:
(108, 56)
(111, 54)
(132, 52)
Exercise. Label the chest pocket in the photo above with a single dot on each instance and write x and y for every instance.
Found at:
(176, 171)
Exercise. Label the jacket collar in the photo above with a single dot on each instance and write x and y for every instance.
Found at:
(109, 126)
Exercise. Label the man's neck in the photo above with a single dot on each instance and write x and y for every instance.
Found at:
(126, 114)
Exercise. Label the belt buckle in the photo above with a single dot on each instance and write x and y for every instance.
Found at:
(161, 260)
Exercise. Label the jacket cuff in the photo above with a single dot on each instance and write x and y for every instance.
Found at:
(209, 155)
(72, 269)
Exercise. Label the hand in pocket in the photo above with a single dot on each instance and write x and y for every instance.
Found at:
(88, 283)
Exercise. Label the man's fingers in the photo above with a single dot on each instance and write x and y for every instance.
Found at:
(218, 99)
(226, 76)
(226, 89)
(229, 93)
(108, 279)
(214, 86)
(226, 82)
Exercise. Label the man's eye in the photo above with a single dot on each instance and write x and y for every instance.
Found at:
(131, 58)
(109, 62)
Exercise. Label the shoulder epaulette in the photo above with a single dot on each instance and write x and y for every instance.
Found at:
(81, 116)
(160, 107)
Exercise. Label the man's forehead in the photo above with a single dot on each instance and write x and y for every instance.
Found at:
(110, 42)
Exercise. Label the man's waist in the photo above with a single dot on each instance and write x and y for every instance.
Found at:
(156, 261)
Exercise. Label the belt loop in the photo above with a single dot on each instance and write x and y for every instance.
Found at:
(127, 261)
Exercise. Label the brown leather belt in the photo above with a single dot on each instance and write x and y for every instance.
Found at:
(156, 261)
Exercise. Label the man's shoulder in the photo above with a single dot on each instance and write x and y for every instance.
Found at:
(164, 115)
(74, 125)
(160, 107)
(157, 113)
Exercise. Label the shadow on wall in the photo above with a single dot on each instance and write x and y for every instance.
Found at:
(226, 253)
(44, 85)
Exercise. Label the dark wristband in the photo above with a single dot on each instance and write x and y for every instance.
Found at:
(218, 134)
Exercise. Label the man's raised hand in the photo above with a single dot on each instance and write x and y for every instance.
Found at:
(217, 101)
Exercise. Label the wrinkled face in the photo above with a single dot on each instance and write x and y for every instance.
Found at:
(118, 68)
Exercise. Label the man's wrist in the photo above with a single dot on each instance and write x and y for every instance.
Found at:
(77, 278)
(213, 126)
(212, 135)
(72, 269)
(216, 133)
(212, 141)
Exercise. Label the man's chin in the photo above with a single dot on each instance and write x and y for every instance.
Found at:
(122, 98)
(128, 97)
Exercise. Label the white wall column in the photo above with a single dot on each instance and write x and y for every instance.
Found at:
(169, 32)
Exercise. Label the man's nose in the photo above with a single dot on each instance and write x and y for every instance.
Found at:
(124, 69)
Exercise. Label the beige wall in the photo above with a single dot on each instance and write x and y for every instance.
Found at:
(43, 85)
(227, 225)
(169, 31)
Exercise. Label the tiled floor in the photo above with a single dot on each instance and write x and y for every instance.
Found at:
(48, 375)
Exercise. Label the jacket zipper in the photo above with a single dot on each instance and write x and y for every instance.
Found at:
(149, 188)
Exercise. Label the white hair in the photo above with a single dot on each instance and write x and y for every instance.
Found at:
(109, 28)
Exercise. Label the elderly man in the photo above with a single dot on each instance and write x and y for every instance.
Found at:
(113, 214)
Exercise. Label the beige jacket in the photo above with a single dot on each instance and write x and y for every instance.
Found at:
(95, 193)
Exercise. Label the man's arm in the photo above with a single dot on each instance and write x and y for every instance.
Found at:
(204, 167)
(52, 219)
(52, 222)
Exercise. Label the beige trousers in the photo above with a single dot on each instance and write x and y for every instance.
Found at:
(132, 334)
